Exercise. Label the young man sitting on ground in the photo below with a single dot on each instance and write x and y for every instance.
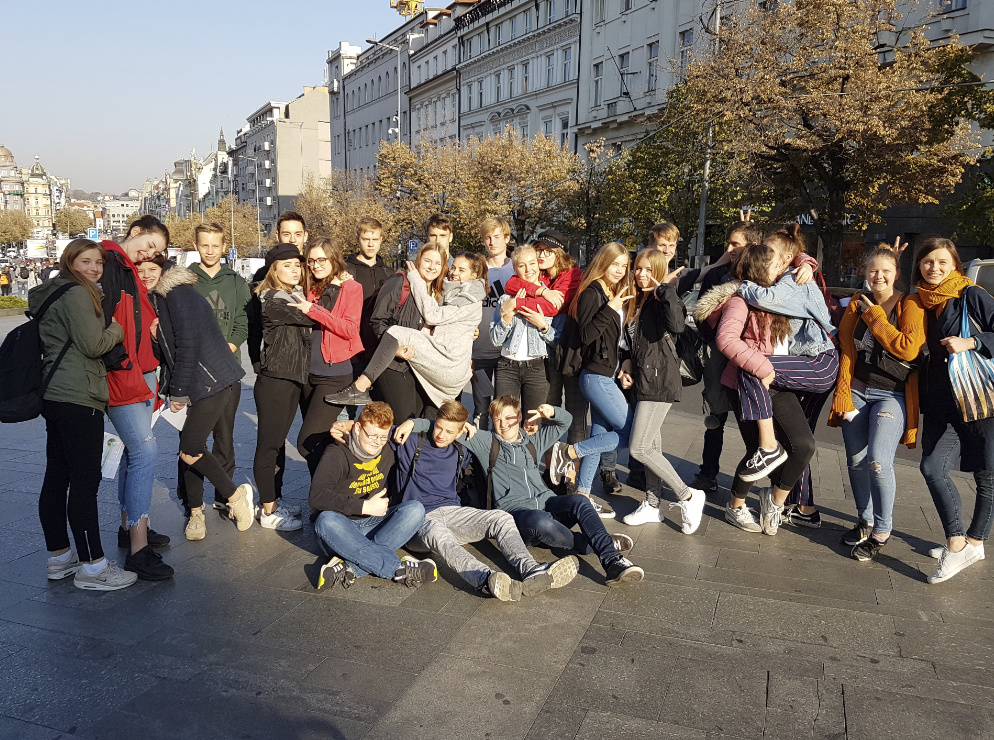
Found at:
(357, 525)
(543, 518)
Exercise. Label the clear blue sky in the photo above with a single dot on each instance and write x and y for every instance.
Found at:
(110, 94)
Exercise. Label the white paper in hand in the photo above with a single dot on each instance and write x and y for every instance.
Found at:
(110, 459)
(175, 418)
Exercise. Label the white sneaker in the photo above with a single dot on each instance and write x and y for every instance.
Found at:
(646, 513)
(111, 578)
(291, 509)
(281, 520)
(691, 511)
(240, 511)
(952, 563)
(936, 552)
(742, 518)
(769, 513)
(59, 570)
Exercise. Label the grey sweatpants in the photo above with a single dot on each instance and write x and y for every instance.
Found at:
(448, 528)
(646, 446)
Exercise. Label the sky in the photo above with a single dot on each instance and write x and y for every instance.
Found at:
(110, 94)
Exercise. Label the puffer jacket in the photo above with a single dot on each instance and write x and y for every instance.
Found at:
(286, 337)
(739, 336)
(655, 365)
(197, 359)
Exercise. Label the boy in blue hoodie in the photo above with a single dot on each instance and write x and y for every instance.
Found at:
(543, 518)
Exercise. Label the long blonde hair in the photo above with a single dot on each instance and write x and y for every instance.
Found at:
(73, 249)
(596, 270)
(659, 264)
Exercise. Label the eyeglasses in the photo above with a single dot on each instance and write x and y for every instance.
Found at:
(320, 262)
(541, 252)
(381, 438)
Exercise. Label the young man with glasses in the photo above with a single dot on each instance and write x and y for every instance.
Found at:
(356, 525)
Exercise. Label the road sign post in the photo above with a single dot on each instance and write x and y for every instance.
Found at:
(91, 234)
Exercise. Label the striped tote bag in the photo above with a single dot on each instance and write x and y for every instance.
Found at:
(972, 378)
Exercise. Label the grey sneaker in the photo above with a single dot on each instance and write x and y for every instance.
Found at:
(551, 575)
(770, 514)
(622, 542)
(57, 571)
(111, 578)
(742, 518)
(502, 587)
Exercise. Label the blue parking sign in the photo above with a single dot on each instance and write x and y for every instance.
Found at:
(91, 233)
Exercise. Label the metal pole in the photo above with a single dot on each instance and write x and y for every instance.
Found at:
(400, 137)
(702, 218)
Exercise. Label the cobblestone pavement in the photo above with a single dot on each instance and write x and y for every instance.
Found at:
(731, 635)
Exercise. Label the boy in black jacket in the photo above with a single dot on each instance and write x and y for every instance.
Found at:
(356, 519)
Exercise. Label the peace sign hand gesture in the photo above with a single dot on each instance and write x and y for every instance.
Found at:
(619, 300)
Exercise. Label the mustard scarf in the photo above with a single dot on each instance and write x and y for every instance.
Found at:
(936, 296)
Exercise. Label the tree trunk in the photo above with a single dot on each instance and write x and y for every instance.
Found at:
(831, 230)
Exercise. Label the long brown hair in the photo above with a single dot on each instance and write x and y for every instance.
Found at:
(754, 265)
(659, 264)
(596, 270)
(73, 249)
(564, 262)
(435, 286)
(271, 282)
(335, 259)
(788, 241)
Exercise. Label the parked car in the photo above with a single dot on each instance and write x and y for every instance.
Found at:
(982, 273)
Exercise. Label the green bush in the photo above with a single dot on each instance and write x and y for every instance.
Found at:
(10, 301)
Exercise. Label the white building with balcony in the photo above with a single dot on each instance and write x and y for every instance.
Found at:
(434, 93)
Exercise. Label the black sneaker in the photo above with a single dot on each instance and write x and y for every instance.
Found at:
(502, 587)
(763, 462)
(348, 397)
(610, 482)
(336, 571)
(569, 487)
(622, 542)
(794, 516)
(413, 573)
(622, 571)
(867, 550)
(155, 539)
(858, 534)
(551, 575)
(148, 565)
(559, 463)
(703, 483)
(603, 509)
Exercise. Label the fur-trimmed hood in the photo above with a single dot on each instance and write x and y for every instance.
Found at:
(171, 278)
(714, 299)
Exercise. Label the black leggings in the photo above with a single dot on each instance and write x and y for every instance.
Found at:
(276, 402)
(792, 431)
(72, 466)
(401, 390)
(201, 419)
(315, 432)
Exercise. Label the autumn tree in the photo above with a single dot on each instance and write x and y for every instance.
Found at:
(839, 108)
(246, 234)
(15, 227)
(73, 221)
(334, 206)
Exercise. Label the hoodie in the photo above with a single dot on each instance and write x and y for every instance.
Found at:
(229, 296)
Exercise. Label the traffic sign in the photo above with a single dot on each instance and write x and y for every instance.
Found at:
(412, 248)
(91, 234)
(232, 254)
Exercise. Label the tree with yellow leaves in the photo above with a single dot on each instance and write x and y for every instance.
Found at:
(333, 207)
(246, 228)
(841, 108)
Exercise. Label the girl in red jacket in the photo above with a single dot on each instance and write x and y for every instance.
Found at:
(334, 302)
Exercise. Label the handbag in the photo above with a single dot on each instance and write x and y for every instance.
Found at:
(887, 363)
(972, 377)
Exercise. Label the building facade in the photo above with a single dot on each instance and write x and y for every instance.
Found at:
(280, 147)
(11, 182)
(38, 198)
(433, 98)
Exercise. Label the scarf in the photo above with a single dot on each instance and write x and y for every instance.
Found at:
(936, 296)
(356, 449)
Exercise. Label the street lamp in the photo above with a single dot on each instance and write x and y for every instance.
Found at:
(397, 49)
(258, 224)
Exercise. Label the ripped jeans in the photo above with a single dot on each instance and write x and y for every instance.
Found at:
(871, 439)
(136, 475)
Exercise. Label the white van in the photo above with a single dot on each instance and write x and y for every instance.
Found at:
(982, 273)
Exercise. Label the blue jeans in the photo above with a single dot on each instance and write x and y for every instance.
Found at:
(871, 438)
(551, 527)
(133, 424)
(944, 438)
(610, 423)
(368, 544)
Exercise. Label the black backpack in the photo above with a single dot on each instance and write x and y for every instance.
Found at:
(21, 382)
(24, 274)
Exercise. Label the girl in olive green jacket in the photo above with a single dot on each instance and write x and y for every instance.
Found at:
(73, 406)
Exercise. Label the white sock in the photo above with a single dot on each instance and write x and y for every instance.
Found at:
(64, 557)
(91, 569)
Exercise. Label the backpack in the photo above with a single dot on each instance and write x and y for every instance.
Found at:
(689, 350)
(24, 274)
(494, 451)
(4, 278)
(21, 382)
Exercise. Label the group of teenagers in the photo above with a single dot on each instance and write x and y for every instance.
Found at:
(541, 345)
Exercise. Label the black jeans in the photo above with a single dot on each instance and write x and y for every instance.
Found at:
(551, 527)
(201, 419)
(223, 450)
(404, 394)
(72, 466)
(792, 431)
(714, 440)
(944, 440)
(315, 431)
(481, 403)
(575, 402)
(523, 379)
(276, 402)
